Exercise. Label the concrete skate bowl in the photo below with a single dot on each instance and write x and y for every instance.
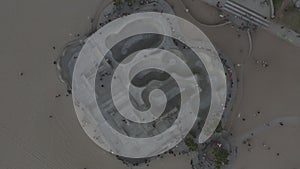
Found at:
(134, 43)
(97, 92)
(150, 79)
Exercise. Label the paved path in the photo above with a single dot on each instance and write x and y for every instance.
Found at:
(283, 32)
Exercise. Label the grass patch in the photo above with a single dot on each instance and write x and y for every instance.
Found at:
(291, 18)
(191, 144)
(219, 128)
(277, 4)
(221, 156)
(129, 2)
(117, 3)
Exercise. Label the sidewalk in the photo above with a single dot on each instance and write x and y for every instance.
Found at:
(285, 33)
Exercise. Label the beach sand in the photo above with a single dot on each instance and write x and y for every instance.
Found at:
(40, 131)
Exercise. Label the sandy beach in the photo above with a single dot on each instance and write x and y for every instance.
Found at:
(39, 128)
